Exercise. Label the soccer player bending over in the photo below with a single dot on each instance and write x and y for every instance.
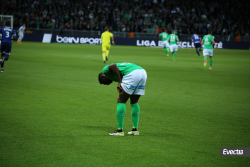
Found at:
(173, 39)
(6, 43)
(208, 41)
(106, 43)
(197, 43)
(20, 34)
(164, 37)
(131, 80)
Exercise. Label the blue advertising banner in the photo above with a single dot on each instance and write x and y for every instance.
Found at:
(47, 38)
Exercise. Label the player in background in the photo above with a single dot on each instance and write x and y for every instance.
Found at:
(7, 33)
(131, 80)
(208, 41)
(164, 38)
(197, 43)
(21, 33)
(173, 39)
(106, 43)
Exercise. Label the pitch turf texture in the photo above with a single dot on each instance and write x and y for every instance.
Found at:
(54, 112)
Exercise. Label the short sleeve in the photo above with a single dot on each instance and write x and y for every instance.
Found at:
(111, 34)
(105, 69)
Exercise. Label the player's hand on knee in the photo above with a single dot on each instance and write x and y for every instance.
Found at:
(119, 88)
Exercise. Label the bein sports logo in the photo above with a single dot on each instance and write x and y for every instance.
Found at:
(232, 152)
(81, 40)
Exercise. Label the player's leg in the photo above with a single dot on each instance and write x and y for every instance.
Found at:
(139, 90)
(104, 53)
(164, 46)
(196, 48)
(21, 37)
(120, 113)
(175, 48)
(135, 113)
(211, 59)
(171, 49)
(211, 63)
(205, 54)
(107, 52)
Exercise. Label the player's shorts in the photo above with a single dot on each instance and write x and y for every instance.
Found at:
(20, 35)
(5, 48)
(165, 44)
(134, 82)
(197, 45)
(208, 52)
(173, 47)
(105, 46)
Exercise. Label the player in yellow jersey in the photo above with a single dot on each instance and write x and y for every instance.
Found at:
(106, 43)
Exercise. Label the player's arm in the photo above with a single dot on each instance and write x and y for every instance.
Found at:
(214, 43)
(14, 35)
(159, 38)
(113, 68)
(178, 40)
(202, 42)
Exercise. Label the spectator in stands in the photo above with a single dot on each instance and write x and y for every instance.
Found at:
(237, 32)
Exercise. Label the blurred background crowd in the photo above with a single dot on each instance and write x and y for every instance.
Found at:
(224, 17)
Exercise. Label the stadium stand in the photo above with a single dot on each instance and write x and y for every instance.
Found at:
(224, 17)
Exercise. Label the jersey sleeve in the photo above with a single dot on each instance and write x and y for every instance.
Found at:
(160, 34)
(105, 69)
(14, 33)
(111, 34)
(176, 36)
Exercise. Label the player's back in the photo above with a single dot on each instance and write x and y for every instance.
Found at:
(7, 34)
(173, 38)
(164, 36)
(21, 29)
(208, 41)
(196, 38)
(106, 37)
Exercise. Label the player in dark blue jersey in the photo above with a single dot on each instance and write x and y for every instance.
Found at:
(197, 43)
(7, 33)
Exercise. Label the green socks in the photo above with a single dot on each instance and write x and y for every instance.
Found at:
(165, 50)
(121, 110)
(174, 55)
(205, 59)
(168, 49)
(211, 62)
(135, 114)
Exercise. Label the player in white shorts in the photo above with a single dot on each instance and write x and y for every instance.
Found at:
(173, 39)
(21, 34)
(131, 80)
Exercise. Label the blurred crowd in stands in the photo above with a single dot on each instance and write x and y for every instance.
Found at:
(224, 17)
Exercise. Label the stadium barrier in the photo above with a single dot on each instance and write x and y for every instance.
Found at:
(52, 38)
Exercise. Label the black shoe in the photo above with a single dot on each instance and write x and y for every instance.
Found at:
(104, 61)
(119, 132)
(106, 58)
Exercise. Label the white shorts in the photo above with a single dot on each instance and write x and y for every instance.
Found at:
(173, 47)
(20, 35)
(208, 52)
(165, 44)
(134, 82)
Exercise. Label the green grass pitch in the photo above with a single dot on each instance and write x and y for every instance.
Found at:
(54, 112)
